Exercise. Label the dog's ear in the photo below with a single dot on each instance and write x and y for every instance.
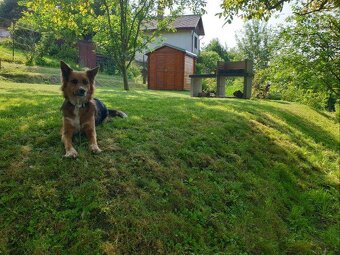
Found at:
(92, 73)
(65, 70)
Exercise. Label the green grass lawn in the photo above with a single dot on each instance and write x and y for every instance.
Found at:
(181, 175)
(19, 73)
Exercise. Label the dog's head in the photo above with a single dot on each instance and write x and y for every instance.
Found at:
(77, 86)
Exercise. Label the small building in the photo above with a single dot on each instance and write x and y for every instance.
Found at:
(169, 68)
(87, 54)
(186, 32)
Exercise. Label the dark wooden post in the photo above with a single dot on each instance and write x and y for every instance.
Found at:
(248, 79)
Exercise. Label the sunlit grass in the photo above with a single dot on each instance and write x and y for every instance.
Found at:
(181, 175)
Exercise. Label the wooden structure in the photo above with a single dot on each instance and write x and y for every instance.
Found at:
(169, 68)
(87, 54)
(223, 70)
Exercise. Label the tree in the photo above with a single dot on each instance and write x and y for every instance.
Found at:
(215, 45)
(305, 63)
(263, 9)
(117, 25)
(207, 61)
(256, 43)
(10, 10)
(309, 57)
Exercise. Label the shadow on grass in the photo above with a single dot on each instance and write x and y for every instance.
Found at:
(178, 176)
(306, 127)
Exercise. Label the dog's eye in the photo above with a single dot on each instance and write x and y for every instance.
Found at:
(74, 81)
(85, 82)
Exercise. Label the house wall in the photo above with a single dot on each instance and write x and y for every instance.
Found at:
(181, 39)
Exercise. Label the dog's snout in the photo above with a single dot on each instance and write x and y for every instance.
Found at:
(80, 92)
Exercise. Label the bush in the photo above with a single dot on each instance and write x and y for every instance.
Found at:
(207, 61)
(134, 70)
(107, 65)
(67, 53)
(316, 100)
(209, 85)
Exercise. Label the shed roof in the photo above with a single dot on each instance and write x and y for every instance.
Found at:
(182, 23)
(173, 47)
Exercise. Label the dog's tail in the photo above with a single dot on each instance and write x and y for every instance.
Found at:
(116, 113)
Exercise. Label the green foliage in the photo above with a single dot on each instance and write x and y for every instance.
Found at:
(314, 39)
(107, 65)
(209, 85)
(305, 96)
(256, 43)
(207, 62)
(234, 84)
(181, 175)
(67, 52)
(264, 9)
(9, 11)
(305, 68)
(134, 71)
(215, 45)
(115, 25)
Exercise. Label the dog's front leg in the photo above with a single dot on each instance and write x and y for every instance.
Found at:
(67, 134)
(90, 131)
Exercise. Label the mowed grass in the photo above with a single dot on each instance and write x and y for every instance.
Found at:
(181, 175)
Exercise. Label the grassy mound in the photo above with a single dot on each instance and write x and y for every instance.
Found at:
(181, 175)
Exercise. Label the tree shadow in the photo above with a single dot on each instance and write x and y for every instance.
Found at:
(309, 128)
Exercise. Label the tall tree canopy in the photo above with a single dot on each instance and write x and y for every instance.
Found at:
(256, 43)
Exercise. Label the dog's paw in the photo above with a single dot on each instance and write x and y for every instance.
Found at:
(72, 153)
(122, 114)
(95, 149)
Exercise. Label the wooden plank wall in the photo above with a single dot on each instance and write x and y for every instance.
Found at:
(189, 68)
(166, 69)
(87, 54)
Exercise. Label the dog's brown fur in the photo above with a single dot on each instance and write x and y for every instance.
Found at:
(78, 111)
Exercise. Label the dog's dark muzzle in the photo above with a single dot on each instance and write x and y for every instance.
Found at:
(80, 93)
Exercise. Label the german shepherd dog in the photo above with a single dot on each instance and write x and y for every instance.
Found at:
(81, 112)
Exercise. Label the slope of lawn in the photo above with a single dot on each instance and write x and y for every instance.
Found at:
(181, 175)
(19, 73)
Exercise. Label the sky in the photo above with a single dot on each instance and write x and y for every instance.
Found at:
(215, 28)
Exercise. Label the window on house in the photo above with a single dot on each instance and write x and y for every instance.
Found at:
(196, 42)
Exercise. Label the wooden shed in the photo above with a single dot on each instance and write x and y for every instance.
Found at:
(169, 68)
(87, 54)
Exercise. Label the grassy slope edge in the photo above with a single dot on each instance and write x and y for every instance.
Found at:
(181, 175)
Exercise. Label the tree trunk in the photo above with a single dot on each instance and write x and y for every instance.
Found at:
(125, 78)
(331, 103)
